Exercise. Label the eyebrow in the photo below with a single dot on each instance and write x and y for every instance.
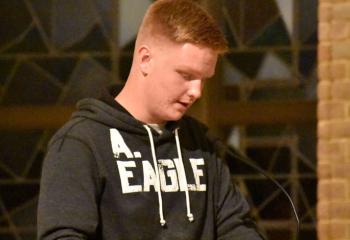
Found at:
(192, 72)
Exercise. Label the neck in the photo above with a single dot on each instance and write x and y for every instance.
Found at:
(132, 99)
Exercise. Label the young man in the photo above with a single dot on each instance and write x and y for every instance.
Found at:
(135, 167)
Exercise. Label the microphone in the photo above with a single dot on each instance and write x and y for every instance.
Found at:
(233, 152)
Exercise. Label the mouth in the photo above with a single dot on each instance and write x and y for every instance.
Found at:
(184, 104)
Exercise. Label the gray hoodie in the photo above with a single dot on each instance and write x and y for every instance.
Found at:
(108, 176)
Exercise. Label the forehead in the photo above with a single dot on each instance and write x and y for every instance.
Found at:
(192, 58)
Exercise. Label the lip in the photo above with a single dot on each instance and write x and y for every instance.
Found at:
(184, 105)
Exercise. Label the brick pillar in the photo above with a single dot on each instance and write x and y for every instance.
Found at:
(333, 208)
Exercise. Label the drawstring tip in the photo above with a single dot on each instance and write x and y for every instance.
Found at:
(162, 222)
(190, 217)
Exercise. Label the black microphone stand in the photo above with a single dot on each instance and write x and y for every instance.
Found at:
(246, 160)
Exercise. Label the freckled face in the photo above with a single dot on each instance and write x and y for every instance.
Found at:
(176, 78)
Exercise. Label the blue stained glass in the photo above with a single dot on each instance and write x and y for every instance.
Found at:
(308, 233)
(129, 46)
(42, 9)
(35, 169)
(312, 40)
(4, 175)
(87, 25)
(16, 195)
(307, 61)
(16, 147)
(275, 34)
(257, 15)
(29, 86)
(93, 41)
(105, 62)
(285, 55)
(233, 14)
(309, 187)
(32, 42)
(286, 11)
(124, 67)
(3, 222)
(262, 190)
(87, 80)
(230, 73)
(307, 18)
(60, 68)
(249, 63)
(24, 215)
(71, 21)
(7, 236)
(276, 94)
(5, 68)
(229, 35)
(105, 10)
(307, 145)
(276, 209)
(130, 18)
(14, 20)
(273, 68)
(28, 235)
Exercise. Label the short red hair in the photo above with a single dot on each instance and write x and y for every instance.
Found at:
(183, 21)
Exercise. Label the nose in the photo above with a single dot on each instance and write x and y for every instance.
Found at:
(195, 89)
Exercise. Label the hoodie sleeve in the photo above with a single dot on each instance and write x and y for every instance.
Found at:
(233, 220)
(67, 206)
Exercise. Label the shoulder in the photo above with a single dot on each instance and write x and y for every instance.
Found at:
(78, 128)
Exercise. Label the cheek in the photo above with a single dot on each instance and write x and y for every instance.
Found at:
(166, 85)
(171, 90)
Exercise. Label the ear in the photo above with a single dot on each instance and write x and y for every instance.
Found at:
(144, 57)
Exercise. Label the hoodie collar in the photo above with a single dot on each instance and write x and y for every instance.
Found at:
(108, 96)
(108, 111)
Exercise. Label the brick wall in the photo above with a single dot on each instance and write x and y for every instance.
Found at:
(333, 207)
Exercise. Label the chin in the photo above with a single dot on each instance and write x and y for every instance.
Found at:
(176, 117)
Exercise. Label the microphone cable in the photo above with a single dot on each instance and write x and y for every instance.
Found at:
(246, 160)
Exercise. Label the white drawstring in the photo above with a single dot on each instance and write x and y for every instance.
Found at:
(188, 206)
(155, 163)
(160, 201)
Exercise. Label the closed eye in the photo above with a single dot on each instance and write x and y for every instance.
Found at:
(186, 76)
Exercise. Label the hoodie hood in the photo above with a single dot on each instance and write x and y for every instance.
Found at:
(101, 111)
